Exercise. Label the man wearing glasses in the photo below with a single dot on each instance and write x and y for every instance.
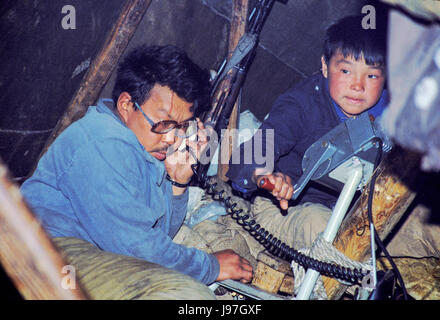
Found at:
(114, 184)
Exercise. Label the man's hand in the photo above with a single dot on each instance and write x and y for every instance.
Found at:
(282, 186)
(184, 153)
(232, 266)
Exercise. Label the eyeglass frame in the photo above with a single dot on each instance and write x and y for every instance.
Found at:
(177, 125)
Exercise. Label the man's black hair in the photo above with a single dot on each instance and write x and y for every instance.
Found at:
(168, 66)
(350, 38)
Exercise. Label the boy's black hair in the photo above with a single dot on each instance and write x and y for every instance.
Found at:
(168, 66)
(350, 38)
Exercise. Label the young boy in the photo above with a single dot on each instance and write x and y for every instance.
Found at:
(351, 82)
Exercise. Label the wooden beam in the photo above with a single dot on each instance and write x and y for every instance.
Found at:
(101, 68)
(27, 254)
(238, 28)
(393, 193)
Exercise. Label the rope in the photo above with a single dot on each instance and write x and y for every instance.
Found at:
(326, 252)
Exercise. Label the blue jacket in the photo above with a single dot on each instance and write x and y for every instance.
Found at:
(298, 118)
(97, 182)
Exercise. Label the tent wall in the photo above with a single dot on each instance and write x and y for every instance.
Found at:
(41, 67)
(42, 64)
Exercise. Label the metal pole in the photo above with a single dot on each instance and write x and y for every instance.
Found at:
(341, 207)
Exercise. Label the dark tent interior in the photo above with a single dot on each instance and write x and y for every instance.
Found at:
(43, 64)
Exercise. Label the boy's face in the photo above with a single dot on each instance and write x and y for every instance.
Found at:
(353, 85)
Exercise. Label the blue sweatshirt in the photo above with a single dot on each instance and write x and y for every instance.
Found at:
(97, 182)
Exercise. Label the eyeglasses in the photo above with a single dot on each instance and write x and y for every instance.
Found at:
(165, 126)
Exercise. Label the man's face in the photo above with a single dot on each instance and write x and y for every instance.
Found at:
(353, 85)
(163, 104)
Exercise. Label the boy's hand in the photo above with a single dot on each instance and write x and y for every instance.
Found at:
(281, 183)
(234, 267)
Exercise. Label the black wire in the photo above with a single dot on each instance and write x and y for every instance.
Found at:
(280, 249)
(370, 218)
(276, 246)
(413, 257)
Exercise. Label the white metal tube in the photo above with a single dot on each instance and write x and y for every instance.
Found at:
(341, 207)
(373, 255)
(307, 285)
(344, 200)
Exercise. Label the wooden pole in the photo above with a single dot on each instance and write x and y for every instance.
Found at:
(101, 68)
(28, 255)
(392, 197)
(238, 28)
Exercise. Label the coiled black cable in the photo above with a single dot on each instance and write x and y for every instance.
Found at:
(276, 246)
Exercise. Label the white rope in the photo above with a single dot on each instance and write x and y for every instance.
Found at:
(324, 251)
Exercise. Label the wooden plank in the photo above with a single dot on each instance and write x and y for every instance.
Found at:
(288, 285)
(273, 274)
(27, 254)
(267, 278)
(275, 263)
(101, 68)
(393, 193)
(238, 28)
